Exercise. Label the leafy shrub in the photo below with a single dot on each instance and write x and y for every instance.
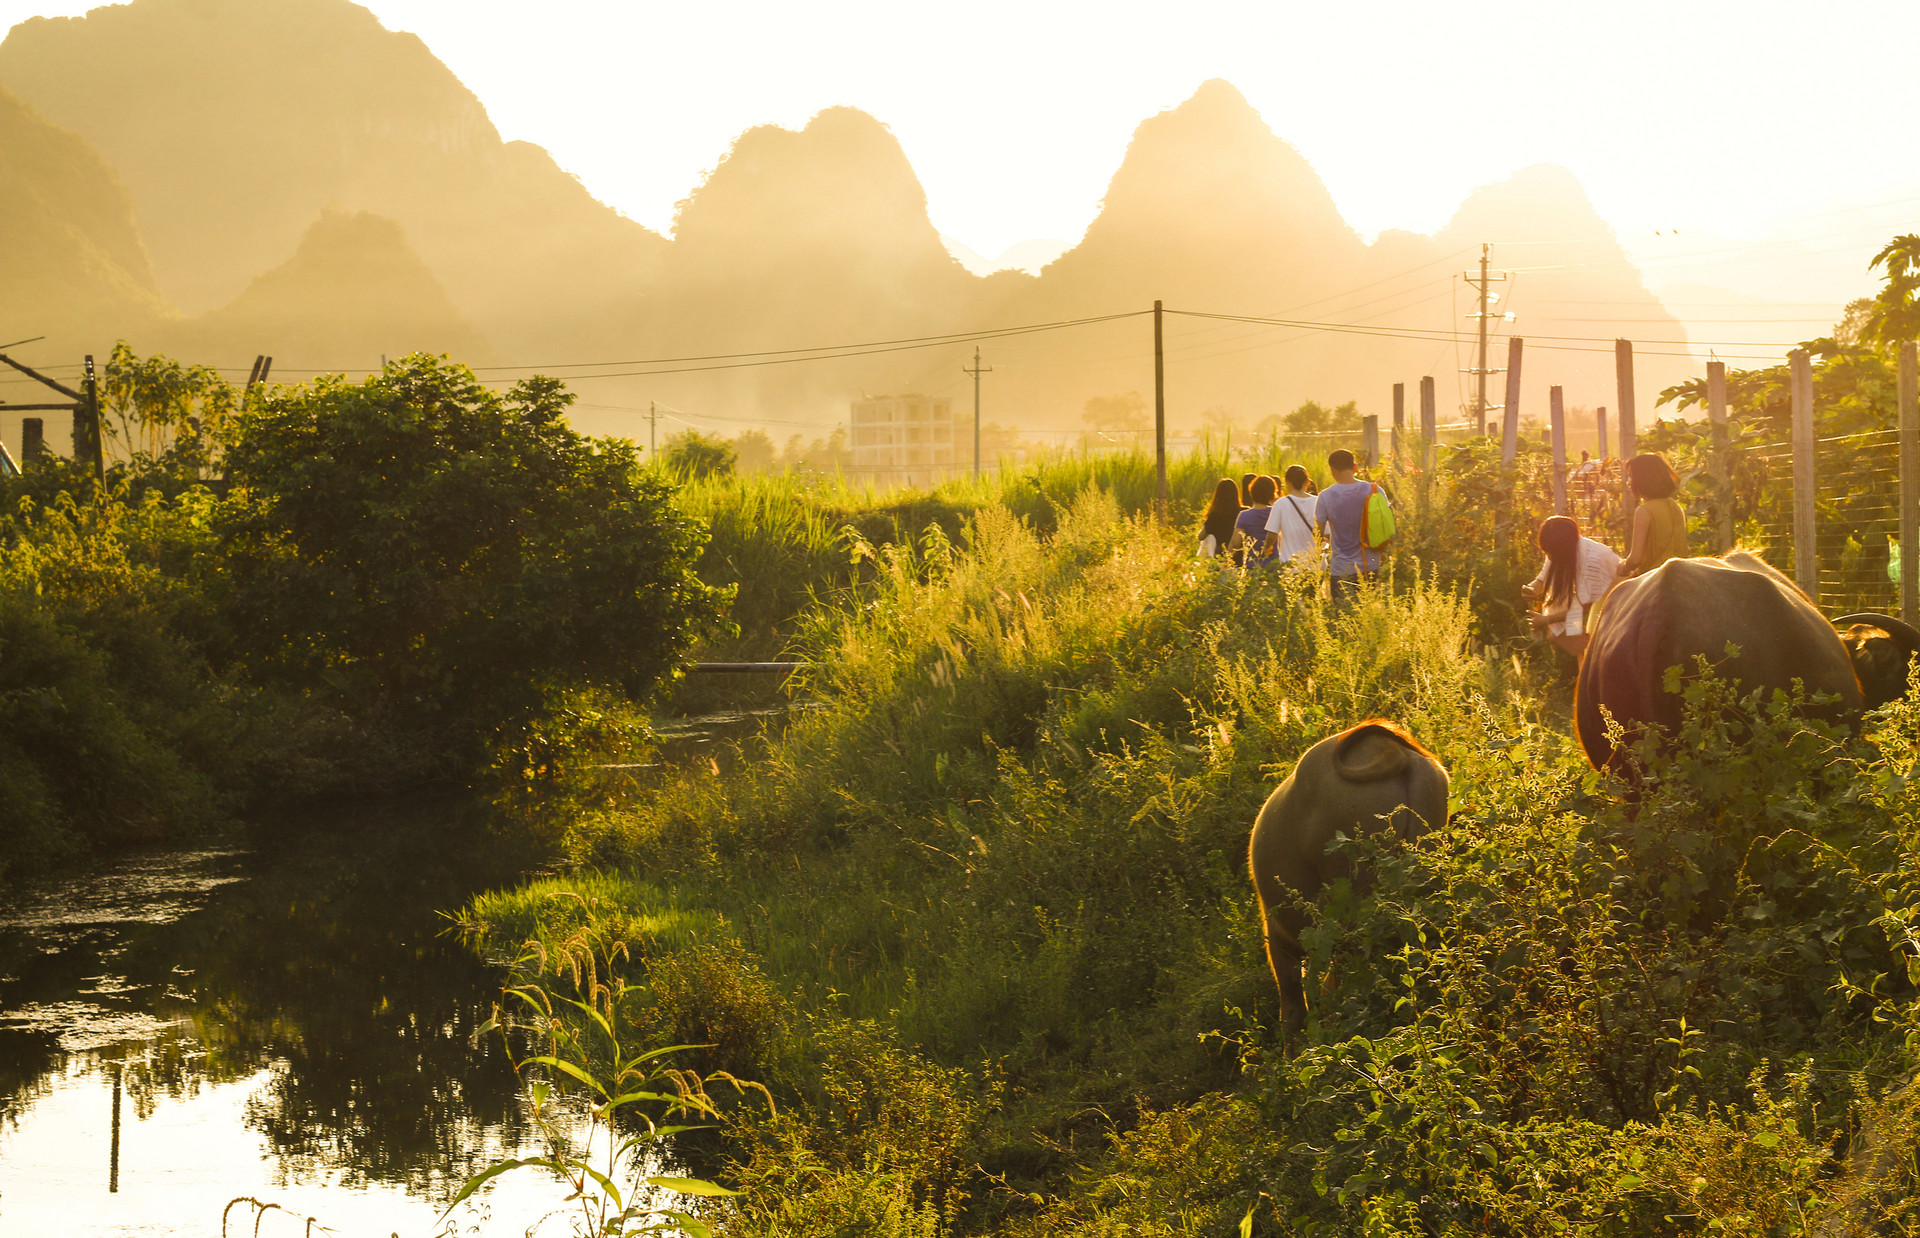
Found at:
(447, 559)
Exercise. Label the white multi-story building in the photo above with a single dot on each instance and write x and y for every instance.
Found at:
(903, 440)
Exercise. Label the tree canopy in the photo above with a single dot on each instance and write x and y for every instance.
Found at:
(447, 557)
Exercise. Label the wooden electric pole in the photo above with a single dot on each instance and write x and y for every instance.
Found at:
(976, 371)
(96, 442)
(1483, 288)
(1159, 417)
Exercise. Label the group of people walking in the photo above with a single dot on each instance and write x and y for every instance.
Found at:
(1264, 522)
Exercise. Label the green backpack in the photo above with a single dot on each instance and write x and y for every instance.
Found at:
(1376, 528)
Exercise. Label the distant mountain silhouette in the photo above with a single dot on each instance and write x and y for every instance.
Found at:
(1210, 211)
(809, 237)
(70, 254)
(353, 291)
(235, 122)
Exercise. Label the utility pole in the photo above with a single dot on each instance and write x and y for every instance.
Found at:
(653, 432)
(95, 438)
(1483, 286)
(976, 371)
(1159, 417)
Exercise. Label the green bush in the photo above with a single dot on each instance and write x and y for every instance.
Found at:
(448, 560)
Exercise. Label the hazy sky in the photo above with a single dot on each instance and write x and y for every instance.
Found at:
(1720, 117)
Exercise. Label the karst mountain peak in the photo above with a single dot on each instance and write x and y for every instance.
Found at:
(235, 125)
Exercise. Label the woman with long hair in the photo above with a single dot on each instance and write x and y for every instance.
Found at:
(1216, 527)
(1576, 576)
(1290, 524)
(1659, 524)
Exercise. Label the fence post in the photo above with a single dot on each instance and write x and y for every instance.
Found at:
(1429, 427)
(1399, 423)
(1909, 480)
(33, 438)
(1722, 455)
(1806, 557)
(1510, 415)
(1370, 438)
(1557, 427)
(1600, 429)
(1629, 432)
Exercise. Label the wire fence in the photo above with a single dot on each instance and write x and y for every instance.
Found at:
(1856, 514)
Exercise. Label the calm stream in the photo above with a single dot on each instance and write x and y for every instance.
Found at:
(280, 1018)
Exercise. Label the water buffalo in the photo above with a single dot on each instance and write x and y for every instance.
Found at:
(1697, 607)
(1881, 648)
(1347, 783)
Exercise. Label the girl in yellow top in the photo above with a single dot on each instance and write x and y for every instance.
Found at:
(1659, 523)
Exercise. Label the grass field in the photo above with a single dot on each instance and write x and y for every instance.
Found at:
(979, 915)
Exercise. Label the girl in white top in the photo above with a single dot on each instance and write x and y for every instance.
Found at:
(1290, 526)
(1572, 582)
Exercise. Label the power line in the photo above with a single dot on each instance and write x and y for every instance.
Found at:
(784, 356)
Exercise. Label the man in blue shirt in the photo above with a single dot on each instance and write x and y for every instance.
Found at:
(1341, 512)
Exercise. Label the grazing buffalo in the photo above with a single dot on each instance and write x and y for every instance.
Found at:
(1881, 648)
(1371, 777)
(1688, 608)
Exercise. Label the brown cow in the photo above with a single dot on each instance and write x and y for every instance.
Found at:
(1357, 782)
(1688, 608)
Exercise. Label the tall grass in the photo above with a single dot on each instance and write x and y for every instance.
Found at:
(980, 913)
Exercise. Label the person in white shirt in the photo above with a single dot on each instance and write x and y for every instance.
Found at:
(1572, 582)
(1290, 524)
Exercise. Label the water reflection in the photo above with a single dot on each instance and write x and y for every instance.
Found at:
(301, 997)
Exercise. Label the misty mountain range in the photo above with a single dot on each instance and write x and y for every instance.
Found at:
(220, 178)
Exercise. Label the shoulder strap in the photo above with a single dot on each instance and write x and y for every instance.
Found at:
(1295, 504)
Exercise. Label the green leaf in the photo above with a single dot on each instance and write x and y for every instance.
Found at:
(1246, 1222)
(694, 1227)
(1767, 1139)
(569, 1068)
(488, 1174)
(691, 1186)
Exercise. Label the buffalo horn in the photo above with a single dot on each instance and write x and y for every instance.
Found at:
(1903, 634)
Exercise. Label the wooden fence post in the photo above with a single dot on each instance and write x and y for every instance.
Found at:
(1557, 427)
(33, 438)
(1806, 557)
(1399, 423)
(1429, 427)
(1909, 481)
(1629, 431)
(1510, 415)
(1722, 455)
(1370, 438)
